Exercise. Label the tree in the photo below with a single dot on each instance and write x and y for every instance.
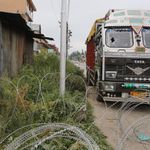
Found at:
(76, 56)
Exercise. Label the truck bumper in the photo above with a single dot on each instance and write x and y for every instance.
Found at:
(126, 100)
(120, 91)
(122, 86)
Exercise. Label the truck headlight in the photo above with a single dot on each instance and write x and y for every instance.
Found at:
(109, 87)
(111, 74)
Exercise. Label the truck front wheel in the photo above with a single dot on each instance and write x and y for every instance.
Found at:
(99, 97)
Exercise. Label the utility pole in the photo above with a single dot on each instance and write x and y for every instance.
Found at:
(63, 46)
(67, 40)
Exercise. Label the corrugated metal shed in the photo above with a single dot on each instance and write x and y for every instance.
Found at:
(16, 43)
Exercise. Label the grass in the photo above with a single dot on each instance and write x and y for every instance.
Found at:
(33, 97)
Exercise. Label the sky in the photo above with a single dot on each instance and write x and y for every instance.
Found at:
(82, 14)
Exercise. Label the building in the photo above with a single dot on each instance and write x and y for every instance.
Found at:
(18, 36)
(23, 7)
(16, 43)
(53, 49)
(40, 41)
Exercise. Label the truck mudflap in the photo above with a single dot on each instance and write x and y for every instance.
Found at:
(124, 92)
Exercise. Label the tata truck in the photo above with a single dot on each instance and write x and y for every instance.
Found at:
(118, 56)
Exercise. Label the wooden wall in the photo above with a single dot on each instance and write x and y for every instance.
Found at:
(16, 48)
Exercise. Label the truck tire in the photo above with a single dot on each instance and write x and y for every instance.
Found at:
(99, 98)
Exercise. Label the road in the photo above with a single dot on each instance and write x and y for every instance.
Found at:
(126, 128)
(114, 122)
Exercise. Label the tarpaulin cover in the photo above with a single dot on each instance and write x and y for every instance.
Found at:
(93, 30)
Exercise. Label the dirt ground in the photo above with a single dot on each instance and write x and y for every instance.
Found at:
(127, 129)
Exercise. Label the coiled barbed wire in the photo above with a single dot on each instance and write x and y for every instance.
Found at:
(79, 135)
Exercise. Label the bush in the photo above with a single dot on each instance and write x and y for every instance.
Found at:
(38, 100)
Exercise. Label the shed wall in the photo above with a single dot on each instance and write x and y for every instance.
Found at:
(16, 49)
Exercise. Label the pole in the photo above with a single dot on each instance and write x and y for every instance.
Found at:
(67, 42)
(63, 46)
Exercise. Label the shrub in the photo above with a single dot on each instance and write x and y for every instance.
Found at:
(38, 100)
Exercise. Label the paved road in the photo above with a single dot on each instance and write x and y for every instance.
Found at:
(114, 122)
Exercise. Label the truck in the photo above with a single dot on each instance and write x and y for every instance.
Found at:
(118, 56)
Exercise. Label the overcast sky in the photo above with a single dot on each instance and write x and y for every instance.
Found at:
(82, 14)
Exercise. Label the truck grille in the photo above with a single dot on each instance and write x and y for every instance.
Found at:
(129, 70)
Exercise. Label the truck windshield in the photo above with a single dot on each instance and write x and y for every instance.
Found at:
(119, 37)
(146, 37)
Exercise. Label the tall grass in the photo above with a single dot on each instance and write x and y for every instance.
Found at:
(33, 97)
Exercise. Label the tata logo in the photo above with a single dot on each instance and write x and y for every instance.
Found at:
(138, 70)
(139, 61)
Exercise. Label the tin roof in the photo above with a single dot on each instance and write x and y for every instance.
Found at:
(15, 19)
(42, 36)
(18, 21)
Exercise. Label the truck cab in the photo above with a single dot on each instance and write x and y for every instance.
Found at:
(120, 67)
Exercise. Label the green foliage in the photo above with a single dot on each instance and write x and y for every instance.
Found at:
(7, 90)
(45, 63)
(72, 69)
(33, 97)
(77, 56)
(75, 83)
(75, 79)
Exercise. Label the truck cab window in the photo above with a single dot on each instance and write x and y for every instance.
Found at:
(119, 37)
(146, 37)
